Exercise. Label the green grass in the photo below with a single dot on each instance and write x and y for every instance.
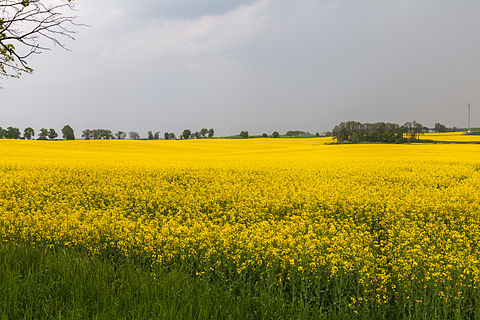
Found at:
(65, 283)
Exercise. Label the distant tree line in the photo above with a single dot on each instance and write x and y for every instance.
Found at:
(354, 132)
(438, 127)
(297, 133)
(276, 134)
(245, 135)
(105, 134)
(29, 133)
(98, 134)
(350, 131)
(188, 134)
(169, 136)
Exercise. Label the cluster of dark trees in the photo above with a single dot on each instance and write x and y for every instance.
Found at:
(202, 134)
(245, 135)
(354, 132)
(438, 127)
(153, 136)
(296, 133)
(276, 134)
(29, 133)
(105, 134)
(96, 134)
(169, 136)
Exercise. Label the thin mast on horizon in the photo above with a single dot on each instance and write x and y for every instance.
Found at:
(468, 109)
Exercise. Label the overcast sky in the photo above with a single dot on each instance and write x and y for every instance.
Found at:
(265, 65)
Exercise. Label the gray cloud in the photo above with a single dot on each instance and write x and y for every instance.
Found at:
(185, 9)
(257, 65)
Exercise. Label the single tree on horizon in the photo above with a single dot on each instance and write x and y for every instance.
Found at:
(121, 135)
(12, 133)
(134, 135)
(244, 134)
(186, 134)
(68, 133)
(28, 133)
(211, 133)
(87, 134)
(52, 134)
(43, 134)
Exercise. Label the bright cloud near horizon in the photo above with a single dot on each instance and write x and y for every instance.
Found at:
(261, 66)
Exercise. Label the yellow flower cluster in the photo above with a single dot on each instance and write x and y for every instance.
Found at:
(389, 216)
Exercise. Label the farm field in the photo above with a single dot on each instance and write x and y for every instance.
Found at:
(451, 137)
(333, 231)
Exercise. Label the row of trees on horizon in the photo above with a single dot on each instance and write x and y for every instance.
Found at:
(29, 133)
(97, 134)
(276, 134)
(351, 131)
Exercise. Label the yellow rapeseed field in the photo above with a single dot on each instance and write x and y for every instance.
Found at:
(390, 217)
(451, 137)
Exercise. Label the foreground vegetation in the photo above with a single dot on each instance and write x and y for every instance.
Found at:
(287, 225)
(63, 283)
